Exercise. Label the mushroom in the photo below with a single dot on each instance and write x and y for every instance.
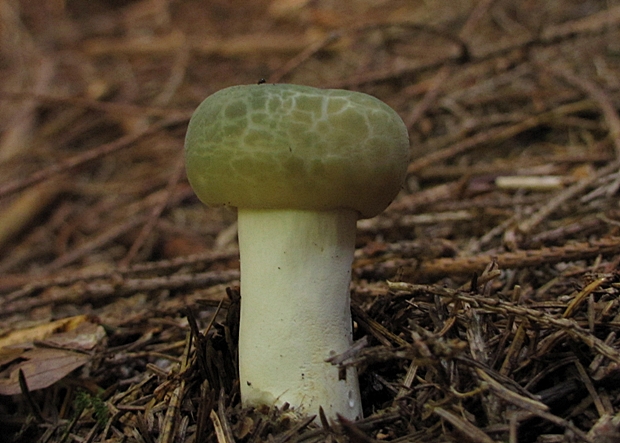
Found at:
(301, 165)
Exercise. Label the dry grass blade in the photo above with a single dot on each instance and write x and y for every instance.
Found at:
(468, 430)
(219, 430)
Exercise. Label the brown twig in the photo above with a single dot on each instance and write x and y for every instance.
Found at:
(518, 259)
(18, 184)
(526, 226)
(80, 293)
(597, 94)
(496, 135)
(147, 229)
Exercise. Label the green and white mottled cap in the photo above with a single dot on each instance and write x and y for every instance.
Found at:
(296, 147)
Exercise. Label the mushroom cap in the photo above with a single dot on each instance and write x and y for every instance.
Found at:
(296, 147)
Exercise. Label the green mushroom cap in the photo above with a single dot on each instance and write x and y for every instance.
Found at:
(296, 147)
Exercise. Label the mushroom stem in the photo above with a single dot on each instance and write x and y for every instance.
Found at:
(295, 309)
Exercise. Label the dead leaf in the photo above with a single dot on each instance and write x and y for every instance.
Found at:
(9, 355)
(40, 332)
(42, 368)
(83, 338)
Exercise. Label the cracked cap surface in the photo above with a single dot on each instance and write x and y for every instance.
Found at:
(296, 147)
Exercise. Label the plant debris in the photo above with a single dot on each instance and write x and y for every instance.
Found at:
(485, 298)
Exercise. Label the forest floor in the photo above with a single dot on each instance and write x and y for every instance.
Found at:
(484, 299)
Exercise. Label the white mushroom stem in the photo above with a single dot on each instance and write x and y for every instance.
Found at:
(295, 309)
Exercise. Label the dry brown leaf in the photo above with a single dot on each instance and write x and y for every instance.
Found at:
(9, 355)
(83, 338)
(40, 332)
(41, 368)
